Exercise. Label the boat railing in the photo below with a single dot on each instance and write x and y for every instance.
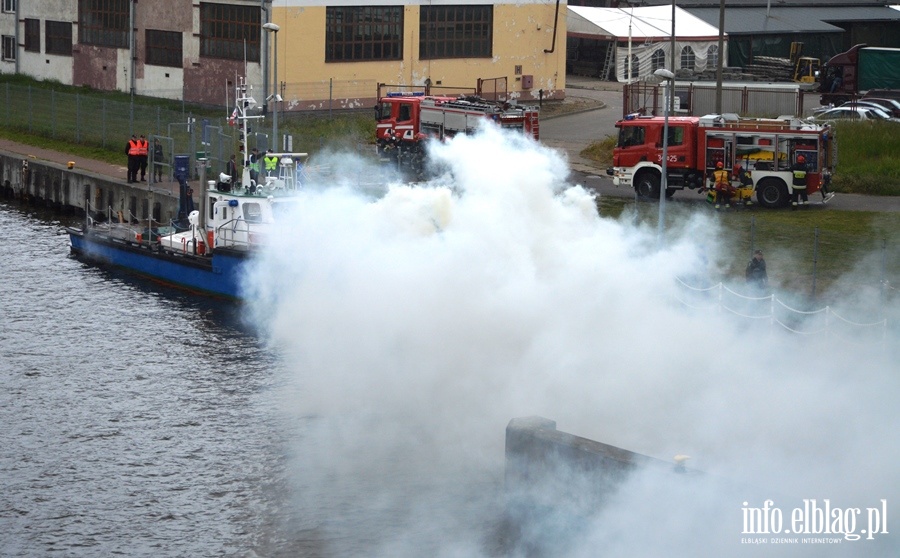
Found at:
(237, 233)
(121, 224)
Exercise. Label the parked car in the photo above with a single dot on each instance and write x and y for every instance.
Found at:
(847, 112)
(891, 106)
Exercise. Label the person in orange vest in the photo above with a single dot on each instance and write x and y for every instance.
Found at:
(143, 152)
(132, 149)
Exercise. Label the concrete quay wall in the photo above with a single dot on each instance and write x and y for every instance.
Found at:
(70, 191)
(555, 484)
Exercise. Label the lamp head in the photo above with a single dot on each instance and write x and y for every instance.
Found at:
(663, 73)
(273, 27)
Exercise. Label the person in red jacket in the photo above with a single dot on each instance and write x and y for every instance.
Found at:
(143, 152)
(132, 149)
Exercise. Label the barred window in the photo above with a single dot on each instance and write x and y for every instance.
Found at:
(363, 33)
(9, 47)
(33, 35)
(635, 67)
(59, 38)
(228, 31)
(687, 58)
(712, 56)
(164, 48)
(103, 22)
(456, 32)
(657, 60)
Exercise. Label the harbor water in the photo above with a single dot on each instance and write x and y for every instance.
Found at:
(143, 421)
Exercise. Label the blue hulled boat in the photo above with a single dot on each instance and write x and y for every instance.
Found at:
(208, 256)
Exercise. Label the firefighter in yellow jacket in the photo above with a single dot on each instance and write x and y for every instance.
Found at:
(722, 185)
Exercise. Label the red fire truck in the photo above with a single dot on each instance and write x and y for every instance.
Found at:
(405, 120)
(767, 148)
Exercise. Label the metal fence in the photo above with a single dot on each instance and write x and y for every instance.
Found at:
(87, 119)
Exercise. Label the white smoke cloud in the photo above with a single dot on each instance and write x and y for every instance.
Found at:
(418, 324)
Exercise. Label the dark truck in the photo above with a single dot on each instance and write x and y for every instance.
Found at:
(859, 71)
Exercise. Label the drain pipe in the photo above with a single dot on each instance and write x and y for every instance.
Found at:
(18, 55)
(555, 22)
(131, 51)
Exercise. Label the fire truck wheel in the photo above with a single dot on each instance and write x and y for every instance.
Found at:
(647, 185)
(772, 193)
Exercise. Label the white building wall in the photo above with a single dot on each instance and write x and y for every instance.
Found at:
(41, 65)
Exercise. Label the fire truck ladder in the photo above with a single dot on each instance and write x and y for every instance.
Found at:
(610, 60)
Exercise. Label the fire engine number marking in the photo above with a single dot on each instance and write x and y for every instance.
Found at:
(669, 158)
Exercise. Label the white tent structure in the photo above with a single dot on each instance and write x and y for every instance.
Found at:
(646, 32)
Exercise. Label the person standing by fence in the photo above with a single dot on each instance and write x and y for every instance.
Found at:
(132, 149)
(158, 160)
(756, 272)
(143, 151)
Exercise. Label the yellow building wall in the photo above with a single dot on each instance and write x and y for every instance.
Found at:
(522, 33)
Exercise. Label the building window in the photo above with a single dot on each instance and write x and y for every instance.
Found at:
(164, 48)
(363, 33)
(103, 22)
(33, 35)
(59, 38)
(635, 66)
(687, 58)
(231, 32)
(456, 32)
(712, 56)
(9, 47)
(9, 6)
(657, 60)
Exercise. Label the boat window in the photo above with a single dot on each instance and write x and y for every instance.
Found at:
(252, 212)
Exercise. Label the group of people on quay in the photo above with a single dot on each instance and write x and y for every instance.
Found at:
(138, 151)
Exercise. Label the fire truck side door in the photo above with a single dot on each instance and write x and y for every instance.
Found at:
(677, 148)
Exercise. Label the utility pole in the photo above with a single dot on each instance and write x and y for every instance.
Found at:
(719, 60)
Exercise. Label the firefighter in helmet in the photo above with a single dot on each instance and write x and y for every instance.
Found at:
(798, 185)
(722, 185)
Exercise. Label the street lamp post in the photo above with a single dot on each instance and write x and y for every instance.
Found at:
(669, 78)
(273, 28)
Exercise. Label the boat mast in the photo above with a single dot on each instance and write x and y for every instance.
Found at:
(245, 102)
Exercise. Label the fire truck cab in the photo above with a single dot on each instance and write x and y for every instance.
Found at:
(405, 120)
(766, 148)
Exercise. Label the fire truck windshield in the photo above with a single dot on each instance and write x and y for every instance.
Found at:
(382, 111)
(631, 135)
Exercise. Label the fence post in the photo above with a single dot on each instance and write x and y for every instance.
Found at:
(752, 234)
(883, 281)
(103, 120)
(815, 261)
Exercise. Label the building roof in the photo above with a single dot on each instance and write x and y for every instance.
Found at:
(645, 23)
(807, 4)
(780, 16)
(792, 20)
